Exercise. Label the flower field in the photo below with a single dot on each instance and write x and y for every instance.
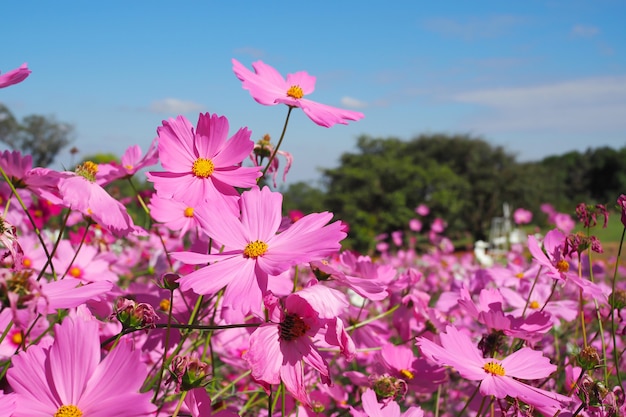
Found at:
(221, 305)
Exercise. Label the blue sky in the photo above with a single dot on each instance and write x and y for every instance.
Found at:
(537, 77)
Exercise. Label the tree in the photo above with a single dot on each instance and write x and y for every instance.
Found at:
(462, 179)
(39, 136)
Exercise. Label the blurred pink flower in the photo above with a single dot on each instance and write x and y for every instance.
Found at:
(269, 88)
(373, 408)
(201, 164)
(131, 162)
(522, 216)
(498, 377)
(564, 222)
(68, 377)
(422, 210)
(14, 76)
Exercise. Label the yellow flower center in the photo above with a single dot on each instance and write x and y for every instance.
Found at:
(562, 265)
(494, 368)
(534, 305)
(68, 411)
(519, 275)
(128, 167)
(27, 263)
(164, 305)
(292, 328)
(88, 170)
(255, 249)
(75, 272)
(295, 91)
(189, 212)
(407, 374)
(17, 338)
(202, 168)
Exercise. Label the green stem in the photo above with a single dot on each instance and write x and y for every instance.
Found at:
(21, 202)
(280, 141)
(616, 355)
(180, 403)
(372, 319)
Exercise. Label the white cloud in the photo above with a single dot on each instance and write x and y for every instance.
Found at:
(353, 103)
(584, 105)
(174, 105)
(584, 31)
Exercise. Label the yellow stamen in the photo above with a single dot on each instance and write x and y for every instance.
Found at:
(494, 368)
(519, 275)
(27, 263)
(164, 305)
(562, 265)
(295, 91)
(255, 249)
(189, 212)
(534, 305)
(88, 170)
(68, 411)
(75, 272)
(407, 374)
(202, 168)
(17, 338)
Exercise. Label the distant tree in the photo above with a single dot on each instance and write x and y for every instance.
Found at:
(39, 136)
(304, 197)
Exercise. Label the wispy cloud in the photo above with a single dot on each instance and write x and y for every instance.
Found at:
(584, 31)
(174, 105)
(589, 105)
(254, 53)
(353, 103)
(472, 28)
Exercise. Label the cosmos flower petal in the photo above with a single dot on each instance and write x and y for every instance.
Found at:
(264, 355)
(527, 363)
(72, 363)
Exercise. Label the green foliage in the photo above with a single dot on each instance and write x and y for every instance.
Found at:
(40, 136)
(463, 179)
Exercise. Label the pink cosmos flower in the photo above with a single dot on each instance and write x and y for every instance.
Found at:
(498, 377)
(373, 408)
(557, 267)
(69, 377)
(522, 216)
(422, 210)
(269, 88)
(308, 320)
(201, 164)
(131, 162)
(79, 191)
(253, 251)
(7, 404)
(14, 76)
(175, 215)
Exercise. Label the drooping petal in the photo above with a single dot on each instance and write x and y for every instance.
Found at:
(264, 355)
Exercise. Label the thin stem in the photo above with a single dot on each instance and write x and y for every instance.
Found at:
(180, 403)
(613, 326)
(280, 141)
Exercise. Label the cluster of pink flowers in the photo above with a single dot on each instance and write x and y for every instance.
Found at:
(220, 305)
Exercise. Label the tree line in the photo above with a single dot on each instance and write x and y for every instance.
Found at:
(463, 179)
